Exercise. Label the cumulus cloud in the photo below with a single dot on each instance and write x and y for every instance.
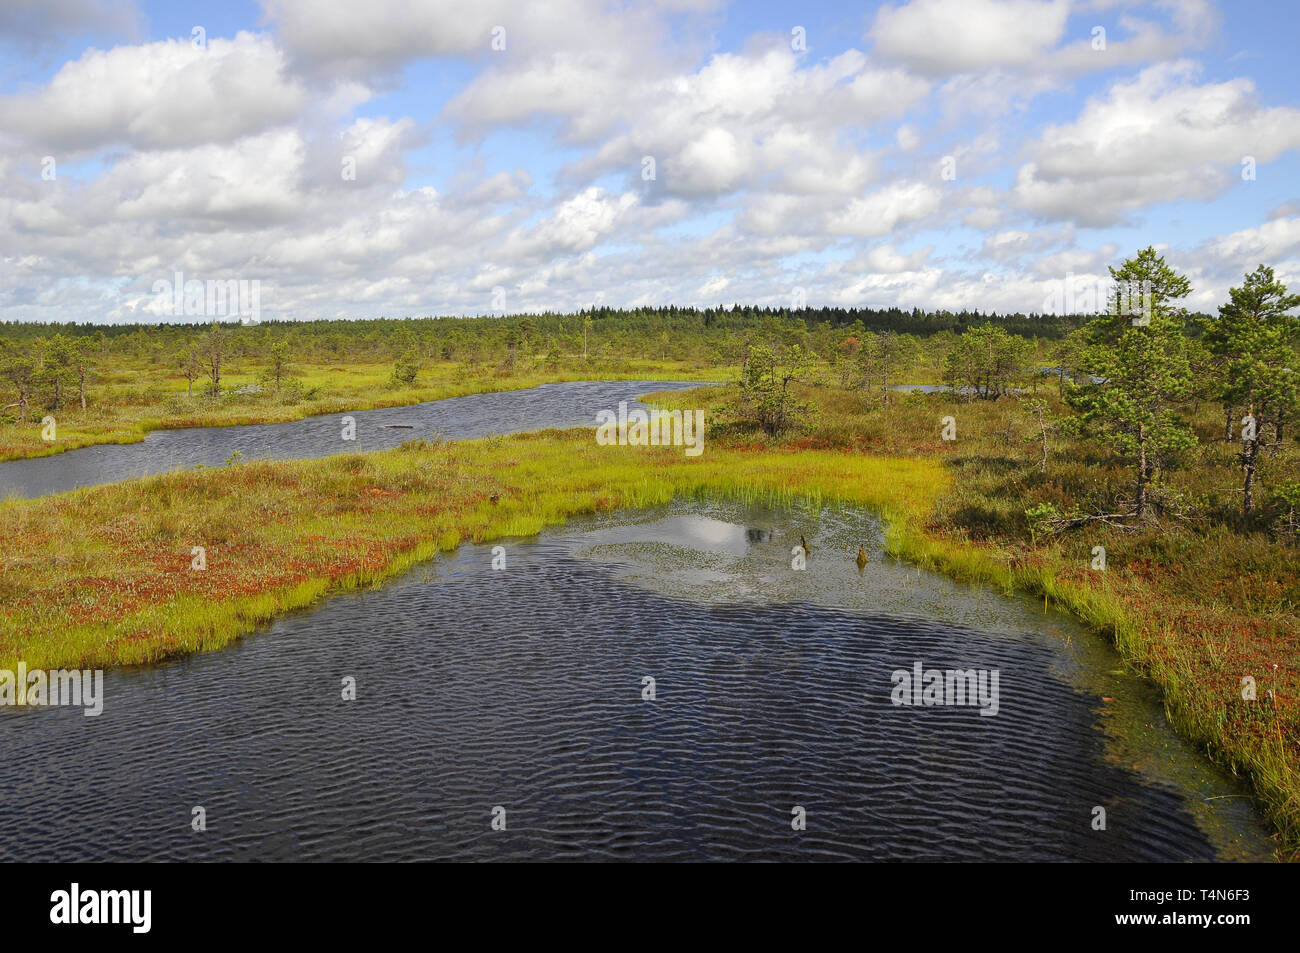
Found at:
(884, 210)
(1155, 138)
(1273, 241)
(739, 121)
(1162, 118)
(1020, 38)
(342, 37)
(956, 36)
(575, 226)
(381, 35)
(160, 95)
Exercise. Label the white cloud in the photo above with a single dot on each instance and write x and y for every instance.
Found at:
(577, 225)
(712, 288)
(953, 36)
(1272, 241)
(716, 161)
(737, 122)
(885, 259)
(343, 37)
(1155, 138)
(161, 95)
(1162, 119)
(1010, 43)
(885, 209)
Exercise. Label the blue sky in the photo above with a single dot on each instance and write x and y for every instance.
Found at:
(933, 153)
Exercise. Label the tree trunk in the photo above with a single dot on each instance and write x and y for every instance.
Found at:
(1249, 452)
(1142, 471)
(1227, 427)
(81, 381)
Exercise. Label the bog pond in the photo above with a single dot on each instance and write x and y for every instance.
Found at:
(525, 689)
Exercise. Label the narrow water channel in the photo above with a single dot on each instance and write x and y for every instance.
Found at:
(563, 405)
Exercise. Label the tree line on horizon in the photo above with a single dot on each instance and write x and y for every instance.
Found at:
(737, 317)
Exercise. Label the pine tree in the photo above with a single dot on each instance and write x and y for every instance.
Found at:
(1144, 375)
(1253, 337)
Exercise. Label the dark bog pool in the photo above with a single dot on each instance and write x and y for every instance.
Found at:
(523, 688)
(572, 404)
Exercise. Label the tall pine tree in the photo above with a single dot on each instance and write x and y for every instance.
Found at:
(1138, 359)
(1252, 336)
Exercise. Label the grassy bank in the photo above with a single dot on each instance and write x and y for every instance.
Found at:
(103, 577)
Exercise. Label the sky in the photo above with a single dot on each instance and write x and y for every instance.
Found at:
(435, 157)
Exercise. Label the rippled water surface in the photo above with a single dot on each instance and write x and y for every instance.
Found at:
(523, 688)
(459, 418)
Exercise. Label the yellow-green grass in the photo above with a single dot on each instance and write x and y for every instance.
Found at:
(122, 410)
(102, 576)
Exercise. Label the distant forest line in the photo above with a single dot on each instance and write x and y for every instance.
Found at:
(615, 321)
